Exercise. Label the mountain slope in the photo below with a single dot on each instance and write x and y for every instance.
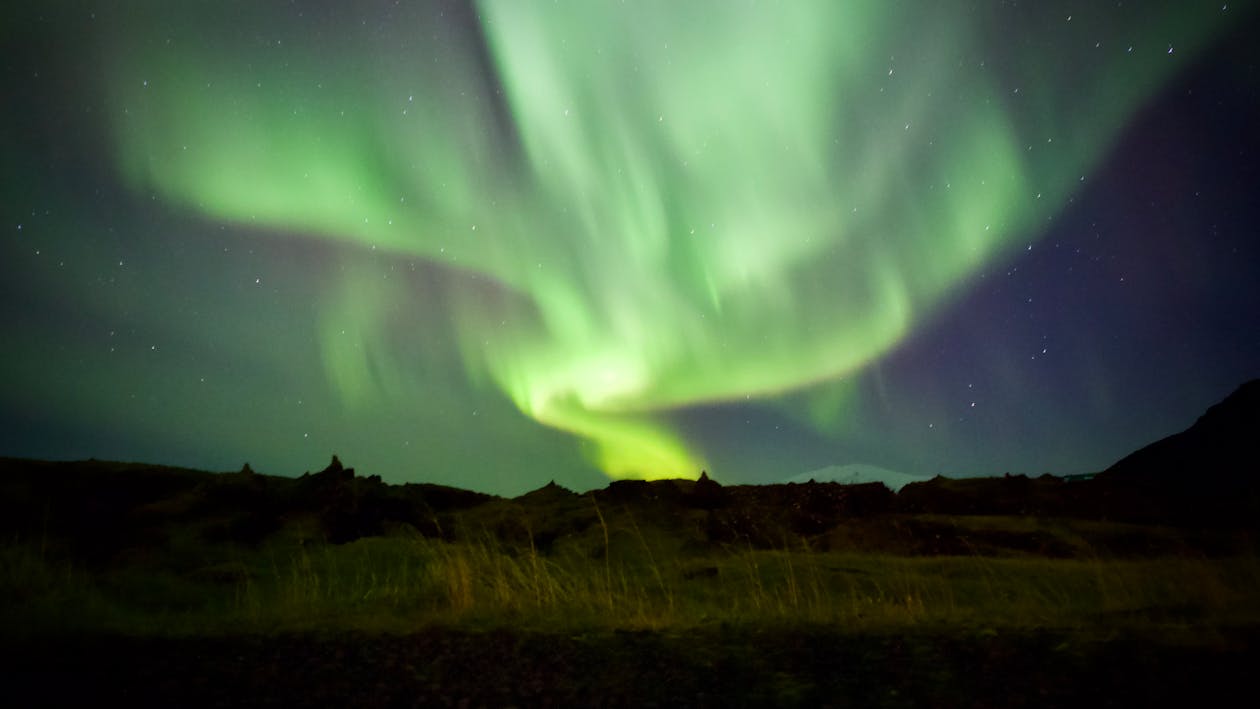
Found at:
(1222, 448)
(856, 474)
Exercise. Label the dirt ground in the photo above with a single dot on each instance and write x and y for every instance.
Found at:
(711, 668)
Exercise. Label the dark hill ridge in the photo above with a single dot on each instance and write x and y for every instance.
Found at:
(1221, 448)
(1204, 477)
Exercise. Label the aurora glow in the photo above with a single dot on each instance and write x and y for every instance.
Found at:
(626, 212)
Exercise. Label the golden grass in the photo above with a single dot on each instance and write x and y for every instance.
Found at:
(403, 583)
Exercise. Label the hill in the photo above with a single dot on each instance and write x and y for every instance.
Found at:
(1221, 449)
(857, 474)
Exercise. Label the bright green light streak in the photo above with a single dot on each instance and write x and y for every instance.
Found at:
(699, 202)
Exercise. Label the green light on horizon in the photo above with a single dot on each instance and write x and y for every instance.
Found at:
(683, 203)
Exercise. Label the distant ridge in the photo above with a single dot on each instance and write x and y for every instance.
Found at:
(856, 474)
(1222, 448)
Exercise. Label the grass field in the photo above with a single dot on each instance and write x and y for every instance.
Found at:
(171, 587)
(403, 581)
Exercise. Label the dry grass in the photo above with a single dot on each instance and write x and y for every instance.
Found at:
(403, 582)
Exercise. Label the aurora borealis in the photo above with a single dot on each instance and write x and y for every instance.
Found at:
(495, 243)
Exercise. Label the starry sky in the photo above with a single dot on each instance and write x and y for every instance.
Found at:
(496, 243)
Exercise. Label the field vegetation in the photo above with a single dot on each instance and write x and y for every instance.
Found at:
(182, 588)
(508, 566)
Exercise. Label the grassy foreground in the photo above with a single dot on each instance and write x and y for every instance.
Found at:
(404, 582)
(168, 587)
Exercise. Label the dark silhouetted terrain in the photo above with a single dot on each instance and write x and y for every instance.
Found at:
(1219, 455)
(163, 586)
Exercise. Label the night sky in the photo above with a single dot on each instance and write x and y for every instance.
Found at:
(491, 244)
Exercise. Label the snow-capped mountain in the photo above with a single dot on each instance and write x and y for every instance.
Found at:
(855, 473)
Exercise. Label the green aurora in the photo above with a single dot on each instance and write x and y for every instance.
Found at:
(644, 206)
